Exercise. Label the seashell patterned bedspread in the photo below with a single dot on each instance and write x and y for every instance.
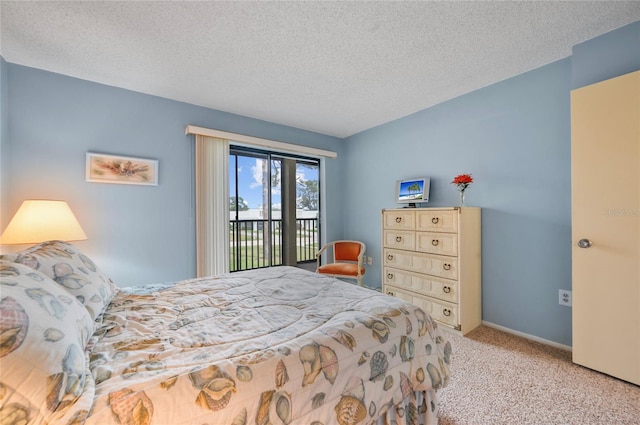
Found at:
(269, 346)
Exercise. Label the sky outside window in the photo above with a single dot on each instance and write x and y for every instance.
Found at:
(250, 180)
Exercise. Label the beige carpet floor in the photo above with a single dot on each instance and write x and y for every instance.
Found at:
(499, 378)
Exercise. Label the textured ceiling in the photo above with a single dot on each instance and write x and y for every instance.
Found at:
(336, 68)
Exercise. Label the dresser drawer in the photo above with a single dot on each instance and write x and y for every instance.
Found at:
(437, 220)
(437, 243)
(435, 265)
(400, 239)
(441, 311)
(401, 220)
(442, 289)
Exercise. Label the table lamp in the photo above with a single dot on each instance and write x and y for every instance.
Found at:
(42, 220)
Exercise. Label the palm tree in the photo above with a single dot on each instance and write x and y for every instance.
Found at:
(414, 188)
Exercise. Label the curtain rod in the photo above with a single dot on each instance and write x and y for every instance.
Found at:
(257, 141)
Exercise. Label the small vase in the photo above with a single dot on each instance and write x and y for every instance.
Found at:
(462, 198)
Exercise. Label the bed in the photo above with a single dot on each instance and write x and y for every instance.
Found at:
(269, 346)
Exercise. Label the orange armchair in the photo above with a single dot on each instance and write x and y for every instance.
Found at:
(348, 260)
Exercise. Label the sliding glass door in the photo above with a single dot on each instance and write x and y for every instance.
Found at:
(273, 203)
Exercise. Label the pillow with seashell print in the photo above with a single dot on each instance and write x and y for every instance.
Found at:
(43, 336)
(70, 268)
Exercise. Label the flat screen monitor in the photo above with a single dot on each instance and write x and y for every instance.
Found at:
(413, 191)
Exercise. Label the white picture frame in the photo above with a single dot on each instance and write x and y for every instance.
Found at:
(118, 169)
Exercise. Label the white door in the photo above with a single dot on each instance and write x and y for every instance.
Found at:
(605, 158)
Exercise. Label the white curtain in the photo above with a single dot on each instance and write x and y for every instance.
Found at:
(212, 205)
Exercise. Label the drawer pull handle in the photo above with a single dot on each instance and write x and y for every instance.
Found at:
(390, 257)
(398, 238)
(398, 219)
(435, 220)
(390, 276)
(446, 289)
(435, 242)
(390, 293)
(446, 312)
(446, 266)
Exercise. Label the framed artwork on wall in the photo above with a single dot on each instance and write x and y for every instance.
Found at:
(103, 168)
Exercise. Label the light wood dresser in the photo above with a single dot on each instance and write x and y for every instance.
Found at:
(432, 258)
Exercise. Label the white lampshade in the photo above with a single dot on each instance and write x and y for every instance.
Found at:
(39, 220)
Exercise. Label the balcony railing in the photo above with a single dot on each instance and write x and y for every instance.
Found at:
(248, 249)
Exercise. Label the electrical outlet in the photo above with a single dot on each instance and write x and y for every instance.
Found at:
(564, 298)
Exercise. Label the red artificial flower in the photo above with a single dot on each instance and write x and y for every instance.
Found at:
(463, 179)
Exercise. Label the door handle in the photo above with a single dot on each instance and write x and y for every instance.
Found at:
(584, 243)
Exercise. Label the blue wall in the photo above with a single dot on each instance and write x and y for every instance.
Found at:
(610, 55)
(137, 234)
(4, 141)
(513, 136)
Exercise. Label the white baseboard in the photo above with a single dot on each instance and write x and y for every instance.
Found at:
(527, 336)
